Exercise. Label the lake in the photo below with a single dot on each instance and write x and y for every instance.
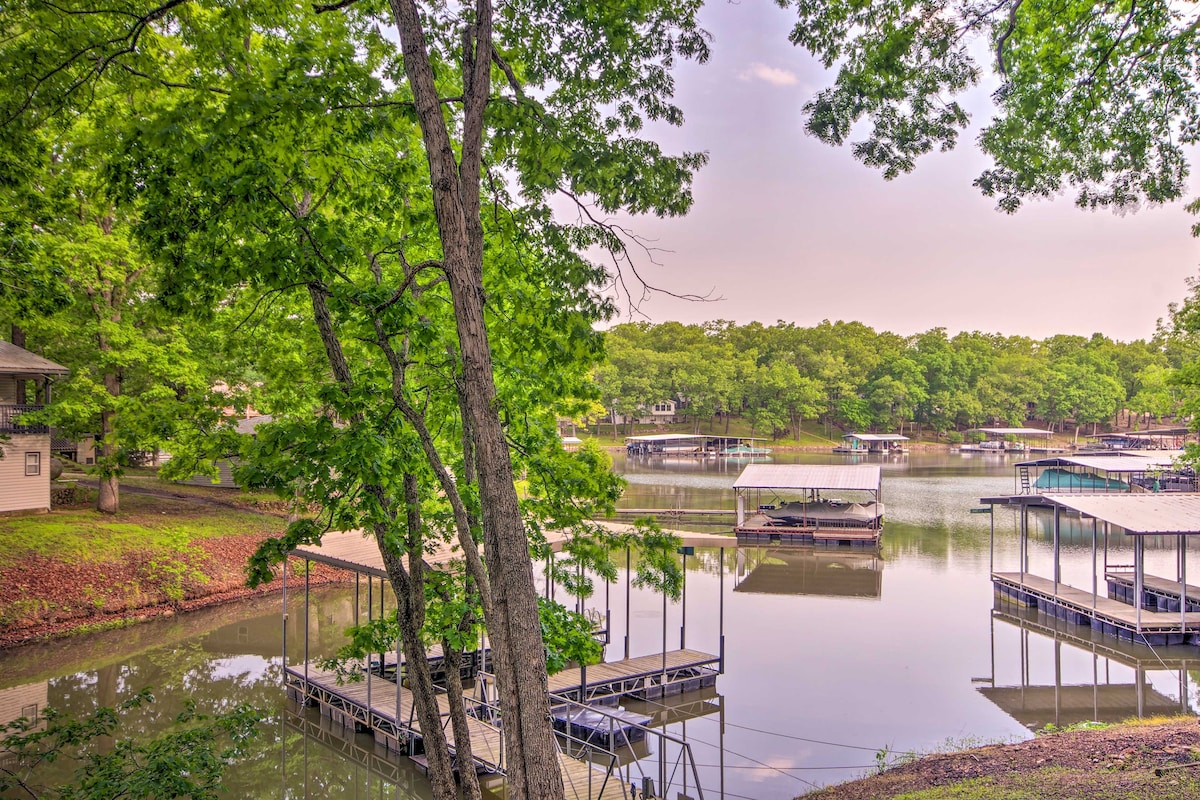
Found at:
(832, 657)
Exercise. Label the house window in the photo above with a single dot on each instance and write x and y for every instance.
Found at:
(33, 464)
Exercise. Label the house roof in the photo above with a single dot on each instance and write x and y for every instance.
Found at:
(19, 361)
(863, 477)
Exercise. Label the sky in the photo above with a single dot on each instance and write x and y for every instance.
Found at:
(787, 228)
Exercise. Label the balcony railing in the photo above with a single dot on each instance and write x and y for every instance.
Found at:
(10, 420)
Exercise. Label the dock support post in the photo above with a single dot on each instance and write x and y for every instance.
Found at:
(370, 656)
(1023, 549)
(721, 605)
(1138, 581)
(285, 610)
(663, 682)
(991, 539)
(628, 568)
(1095, 583)
(1182, 585)
(683, 604)
(1057, 550)
(307, 563)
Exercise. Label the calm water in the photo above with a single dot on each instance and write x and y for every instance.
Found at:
(830, 656)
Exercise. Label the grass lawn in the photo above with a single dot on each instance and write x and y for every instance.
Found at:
(81, 535)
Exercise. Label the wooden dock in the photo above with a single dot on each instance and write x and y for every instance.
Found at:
(761, 529)
(643, 678)
(1113, 617)
(388, 712)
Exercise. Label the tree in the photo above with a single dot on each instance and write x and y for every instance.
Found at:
(188, 762)
(132, 370)
(1098, 98)
(260, 84)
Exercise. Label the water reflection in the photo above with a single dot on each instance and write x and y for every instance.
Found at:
(1045, 680)
(819, 660)
(809, 571)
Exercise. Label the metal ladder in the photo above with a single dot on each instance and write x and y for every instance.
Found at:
(1026, 486)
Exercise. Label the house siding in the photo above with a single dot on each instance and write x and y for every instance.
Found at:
(19, 492)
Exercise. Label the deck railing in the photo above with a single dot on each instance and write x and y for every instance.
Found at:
(10, 419)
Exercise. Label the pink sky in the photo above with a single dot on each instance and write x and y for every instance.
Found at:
(786, 228)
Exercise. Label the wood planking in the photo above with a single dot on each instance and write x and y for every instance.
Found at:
(486, 742)
(630, 668)
(1111, 611)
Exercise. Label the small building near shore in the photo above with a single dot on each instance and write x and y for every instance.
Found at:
(25, 381)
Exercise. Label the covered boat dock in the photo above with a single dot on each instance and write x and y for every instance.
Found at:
(1012, 440)
(788, 506)
(881, 444)
(1113, 472)
(701, 445)
(1148, 609)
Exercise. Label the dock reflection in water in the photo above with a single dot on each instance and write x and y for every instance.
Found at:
(1127, 680)
(809, 571)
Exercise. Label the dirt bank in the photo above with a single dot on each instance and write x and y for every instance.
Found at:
(1134, 760)
(74, 570)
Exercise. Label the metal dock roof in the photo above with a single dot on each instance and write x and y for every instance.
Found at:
(863, 477)
(1138, 514)
(1125, 462)
(876, 437)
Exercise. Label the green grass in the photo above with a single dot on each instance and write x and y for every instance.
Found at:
(144, 523)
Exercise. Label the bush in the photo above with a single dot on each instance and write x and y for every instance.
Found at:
(954, 437)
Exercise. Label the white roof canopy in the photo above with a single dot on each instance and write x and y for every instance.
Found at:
(664, 437)
(1015, 431)
(849, 477)
(1138, 514)
(1141, 462)
(876, 437)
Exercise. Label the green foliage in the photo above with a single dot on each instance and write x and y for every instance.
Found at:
(1098, 98)
(186, 762)
(569, 637)
(848, 375)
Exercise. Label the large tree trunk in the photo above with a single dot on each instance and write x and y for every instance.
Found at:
(514, 625)
(108, 500)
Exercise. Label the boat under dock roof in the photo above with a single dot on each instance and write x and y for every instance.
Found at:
(1123, 462)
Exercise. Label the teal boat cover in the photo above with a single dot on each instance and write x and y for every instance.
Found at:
(1063, 479)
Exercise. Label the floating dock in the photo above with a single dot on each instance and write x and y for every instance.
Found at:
(1134, 606)
(643, 677)
(761, 486)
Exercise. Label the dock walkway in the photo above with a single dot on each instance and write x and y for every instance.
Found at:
(347, 704)
(1084, 608)
(643, 677)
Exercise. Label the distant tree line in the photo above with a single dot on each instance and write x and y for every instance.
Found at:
(853, 378)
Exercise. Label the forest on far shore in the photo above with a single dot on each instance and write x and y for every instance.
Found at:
(850, 377)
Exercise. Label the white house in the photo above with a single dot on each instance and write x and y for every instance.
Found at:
(25, 465)
(662, 413)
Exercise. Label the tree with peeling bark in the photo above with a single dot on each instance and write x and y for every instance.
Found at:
(249, 147)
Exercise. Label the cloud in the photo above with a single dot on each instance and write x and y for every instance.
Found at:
(772, 75)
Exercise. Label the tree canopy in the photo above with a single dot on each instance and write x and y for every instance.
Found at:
(1096, 99)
